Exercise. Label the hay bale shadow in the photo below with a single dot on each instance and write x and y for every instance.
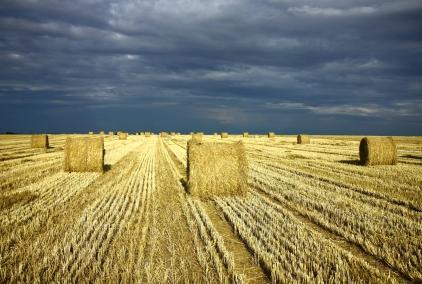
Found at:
(351, 162)
(107, 167)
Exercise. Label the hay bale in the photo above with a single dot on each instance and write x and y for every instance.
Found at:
(196, 138)
(39, 141)
(245, 134)
(83, 154)
(224, 135)
(91, 132)
(271, 135)
(164, 134)
(172, 133)
(377, 151)
(101, 132)
(111, 133)
(147, 134)
(123, 136)
(217, 169)
(303, 139)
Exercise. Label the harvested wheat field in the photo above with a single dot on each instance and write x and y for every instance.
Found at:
(307, 213)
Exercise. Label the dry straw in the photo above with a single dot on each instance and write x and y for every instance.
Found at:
(217, 169)
(196, 138)
(84, 154)
(110, 133)
(39, 141)
(224, 135)
(303, 139)
(123, 136)
(147, 134)
(271, 135)
(91, 132)
(377, 151)
(245, 134)
(164, 134)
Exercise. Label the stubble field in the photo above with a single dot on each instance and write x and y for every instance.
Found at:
(312, 215)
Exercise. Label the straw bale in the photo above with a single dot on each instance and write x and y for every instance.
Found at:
(217, 169)
(84, 154)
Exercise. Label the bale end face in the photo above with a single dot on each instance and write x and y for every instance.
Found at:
(303, 139)
(122, 136)
(39, 141)
(377, 151)
(245, 134)
(83, 154)
(271, 135)
(196, 138)
(224, 135)
(217, 169)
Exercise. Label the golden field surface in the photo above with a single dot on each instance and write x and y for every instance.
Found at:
(312, 215)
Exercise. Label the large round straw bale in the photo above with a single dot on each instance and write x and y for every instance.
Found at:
(83, 154)
(110, 133)
(224, 135)
(122, 136)
(246, 134)
(217, 169)
(164, 134)
(196, 138)
(303, 139)
(147, 134)
(39, 141)
(101, 133)
(377, 151)
(91, 132)
(271, 135)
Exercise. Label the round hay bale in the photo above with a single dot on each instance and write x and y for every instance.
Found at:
(303, 139)
(377, 151)
(91, 132)
(147, 134)
(39, 141)
(196, 138)
(123, 136)
(217, 169)
(224, 135)
(245, 134)
(271, 135)
(83, 154)
(111, 133)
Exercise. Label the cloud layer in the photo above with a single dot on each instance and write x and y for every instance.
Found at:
(322, 66)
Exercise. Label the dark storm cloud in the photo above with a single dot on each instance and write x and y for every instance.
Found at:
(212, 65)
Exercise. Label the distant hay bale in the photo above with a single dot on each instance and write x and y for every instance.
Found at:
(164, 134)
(101, 132)
(271, 135)
(91, 132)
(83, 154)
(377, 151)
(245, 134)
(147, 134)
(123, 136)
(224, 135)
(196, 138)
(111, 133)
(217, 169)
(303, 139)
(172, 133)
(39, 141)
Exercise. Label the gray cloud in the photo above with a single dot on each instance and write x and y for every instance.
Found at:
(223, 63)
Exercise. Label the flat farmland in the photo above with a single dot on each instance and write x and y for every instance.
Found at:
(312, 214)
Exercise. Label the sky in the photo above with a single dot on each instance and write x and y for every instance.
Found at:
(288, 66)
